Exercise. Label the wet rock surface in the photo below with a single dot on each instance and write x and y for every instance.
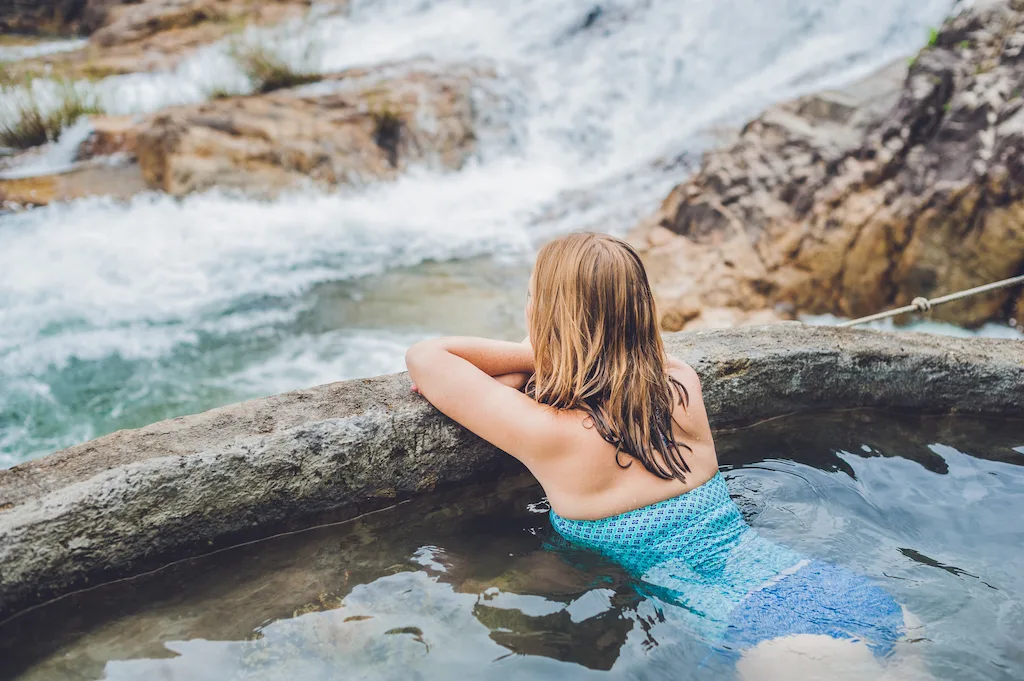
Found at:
(135, 500)
(851, 202)
(118, 181)
(358, 127)
(350, 128)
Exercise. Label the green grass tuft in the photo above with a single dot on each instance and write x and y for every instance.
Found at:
(220, 93)
(933, 37)
(267, 70)
(33, 126)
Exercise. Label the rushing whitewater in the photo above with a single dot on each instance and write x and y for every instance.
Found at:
(118, 314)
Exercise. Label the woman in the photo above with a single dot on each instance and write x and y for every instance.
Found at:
(617, 434)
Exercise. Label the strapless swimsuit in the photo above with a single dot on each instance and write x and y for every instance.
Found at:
(734, 587)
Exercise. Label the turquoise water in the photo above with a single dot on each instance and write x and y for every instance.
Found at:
(460, 584)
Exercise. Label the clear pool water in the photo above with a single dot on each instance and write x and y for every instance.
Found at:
(458, 585)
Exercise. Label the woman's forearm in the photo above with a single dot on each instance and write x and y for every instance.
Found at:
(517, 381)
(495, 358)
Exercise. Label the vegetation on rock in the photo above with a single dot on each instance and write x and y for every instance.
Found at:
(267, 70)
(32, 124)
(352, 130)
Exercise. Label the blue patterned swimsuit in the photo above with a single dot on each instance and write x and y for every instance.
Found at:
(735, 587)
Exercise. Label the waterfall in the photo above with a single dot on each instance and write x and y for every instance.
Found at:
(115, 314)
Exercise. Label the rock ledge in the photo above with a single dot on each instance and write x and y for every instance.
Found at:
(135, 500)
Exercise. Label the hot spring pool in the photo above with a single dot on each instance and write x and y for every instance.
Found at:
(459, 585)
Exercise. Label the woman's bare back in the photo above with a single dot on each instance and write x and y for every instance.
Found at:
(586, 482)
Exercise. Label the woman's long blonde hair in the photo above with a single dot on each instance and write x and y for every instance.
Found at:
(594, 330)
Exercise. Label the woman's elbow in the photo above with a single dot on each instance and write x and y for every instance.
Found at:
(418, 356)
(413, 358)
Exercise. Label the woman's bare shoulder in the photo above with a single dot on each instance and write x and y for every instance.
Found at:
(684, 373)
(692, 414)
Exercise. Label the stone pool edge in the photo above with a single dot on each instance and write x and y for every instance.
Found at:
(135, 500)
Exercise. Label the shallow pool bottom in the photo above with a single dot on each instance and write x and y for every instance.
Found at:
(461, 583)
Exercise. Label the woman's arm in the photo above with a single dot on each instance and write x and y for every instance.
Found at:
(455, 375)
(516, 380)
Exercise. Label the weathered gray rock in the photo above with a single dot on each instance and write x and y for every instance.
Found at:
(135, 500)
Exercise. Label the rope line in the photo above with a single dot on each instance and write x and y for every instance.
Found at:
(925, 305)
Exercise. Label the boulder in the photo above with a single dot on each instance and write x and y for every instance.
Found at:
(135, 500)
(355, 127)
(907, 184)
(362, 125)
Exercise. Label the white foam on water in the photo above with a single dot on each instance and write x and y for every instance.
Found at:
(692, 61)
(12, 53)
(324, 358)
(157, 260)
(578, 128)
(56, 157)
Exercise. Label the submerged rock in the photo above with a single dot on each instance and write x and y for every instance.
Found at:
(138, 499)
(855, 201)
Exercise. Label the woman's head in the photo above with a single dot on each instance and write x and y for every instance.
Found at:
(594, 329)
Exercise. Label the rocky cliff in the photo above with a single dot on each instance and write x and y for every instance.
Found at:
(908, 184)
